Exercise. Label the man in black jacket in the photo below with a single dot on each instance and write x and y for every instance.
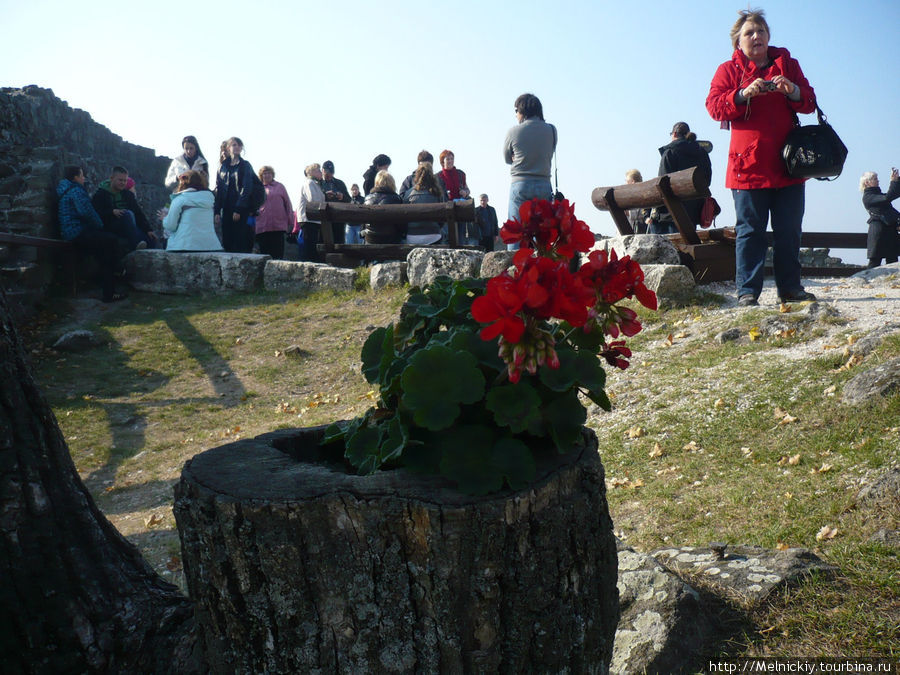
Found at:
(119, 210)
(682, 153)
(486, 217)
(335, 191)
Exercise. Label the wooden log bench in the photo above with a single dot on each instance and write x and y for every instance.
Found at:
(710, 254)
(64, 251)
(352, 255)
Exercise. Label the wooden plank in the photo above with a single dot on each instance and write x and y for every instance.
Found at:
(829, 239)
(618, 214)
(682, 220)
(461, 211)
(26, 240)
(687, 184)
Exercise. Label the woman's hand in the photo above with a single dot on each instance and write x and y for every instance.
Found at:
(755, 88)
(783, 85)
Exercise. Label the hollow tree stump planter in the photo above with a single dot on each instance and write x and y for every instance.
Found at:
(297, 566)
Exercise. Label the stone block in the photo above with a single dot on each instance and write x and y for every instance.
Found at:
(424, 265)
(495, 262)
(287, 275)
(11, 185)
(662, 628)
(159, 271)
(386, 274)
(670, 282)
(646, 249)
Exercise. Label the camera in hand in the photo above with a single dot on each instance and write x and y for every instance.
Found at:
(768, 85)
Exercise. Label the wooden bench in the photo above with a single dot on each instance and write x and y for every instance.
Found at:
(708, 254)
(351, 255)
(58, 246)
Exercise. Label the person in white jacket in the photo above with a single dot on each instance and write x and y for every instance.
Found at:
(190, 159)
(310, 191)
(189, 221)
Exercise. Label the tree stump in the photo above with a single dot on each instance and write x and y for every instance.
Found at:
(297, 566)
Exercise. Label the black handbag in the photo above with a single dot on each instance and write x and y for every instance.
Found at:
(814, 151)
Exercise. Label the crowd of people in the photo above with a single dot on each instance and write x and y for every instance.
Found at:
(757, 93)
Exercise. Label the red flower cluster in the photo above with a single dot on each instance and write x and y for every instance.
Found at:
(543, 288)
(548, 227)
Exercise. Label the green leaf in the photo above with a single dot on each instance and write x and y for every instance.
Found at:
(334, 432)
(362, 449)
(467, 458)
(516, 406)
(395, 438)
(564, 377)
(467, 340)
(565, 416)
(599, 397)
(515, 461)
(435, 383)
(591, 375)
(423, 457)
(377, 353)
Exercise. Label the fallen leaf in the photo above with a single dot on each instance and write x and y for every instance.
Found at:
(657, 451)
(719, 403)
(669, 340)
(879, 311)
(784, 309)
(153, 520)
(691, 447)
(787, 419)
(851, 339)
(825, 468)
(787, 333)
(830, 390)
(794, 460)
(781, 546)
(617, 482)
(173, 563)
(754, 334)
(239, 341)
(827, 532)
(879, 295)
(635, 432)
(681, 335)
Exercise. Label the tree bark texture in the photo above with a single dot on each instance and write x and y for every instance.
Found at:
(298, 566)
(690, 183)
(75, 596)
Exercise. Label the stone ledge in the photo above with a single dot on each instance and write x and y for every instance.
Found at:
(159, 271)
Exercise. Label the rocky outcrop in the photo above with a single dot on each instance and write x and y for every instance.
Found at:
(287, 275)
(879, 382)
(424, 265)
(646, 249)
(387, 274)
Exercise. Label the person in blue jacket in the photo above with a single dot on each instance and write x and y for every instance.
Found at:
(80, 224)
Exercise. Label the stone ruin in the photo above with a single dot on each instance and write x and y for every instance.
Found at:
(39, 135)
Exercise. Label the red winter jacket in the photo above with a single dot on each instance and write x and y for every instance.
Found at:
(759, 126)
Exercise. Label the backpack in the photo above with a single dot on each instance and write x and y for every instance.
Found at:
(257, 195)
(709, 211)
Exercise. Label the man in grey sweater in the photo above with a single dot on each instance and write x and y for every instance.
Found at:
(529, 148)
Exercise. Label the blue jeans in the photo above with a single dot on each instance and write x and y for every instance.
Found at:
(125, 227)
(752, 209)
(351, 234)
(521, 191)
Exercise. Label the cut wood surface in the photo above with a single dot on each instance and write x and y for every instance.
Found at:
(337, 212)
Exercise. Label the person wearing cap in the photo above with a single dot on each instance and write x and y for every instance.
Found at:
(683, 152)
(335, 191)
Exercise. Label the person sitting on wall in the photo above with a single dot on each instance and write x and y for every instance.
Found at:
(189, 220)
(120, 212)
(639, 217)
(424, 190)
(80, 224)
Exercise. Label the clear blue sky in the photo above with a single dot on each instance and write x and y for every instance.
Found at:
(304, 82)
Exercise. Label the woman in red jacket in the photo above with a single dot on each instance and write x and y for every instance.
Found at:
(758, 92)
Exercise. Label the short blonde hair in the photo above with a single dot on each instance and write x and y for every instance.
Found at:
(866, 177)
(312, 167)
(635, 175)
(384, 179)
(756, 16)
(265, 168)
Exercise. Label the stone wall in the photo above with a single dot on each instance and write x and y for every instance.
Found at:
(39, 135)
